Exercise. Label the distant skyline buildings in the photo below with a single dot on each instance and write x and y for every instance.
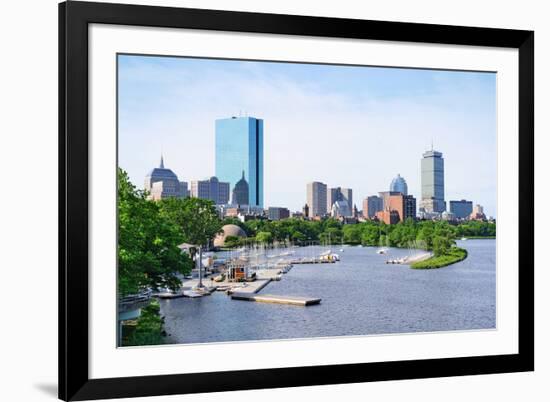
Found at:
(211, 189)
(170, 104)
(461, 209)
(396, 206)
(340, 194)
(239, 148)
(432, 182)
(371, 205)
(399, 184)
(340, 209)
(241, 192)
(277, 213)
(316, 199)
(164, 183)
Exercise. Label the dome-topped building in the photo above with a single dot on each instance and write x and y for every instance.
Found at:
(164, 183)
(227, 231)
(240, 192)
(399, 184)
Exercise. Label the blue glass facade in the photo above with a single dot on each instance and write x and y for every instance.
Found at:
(240, 146)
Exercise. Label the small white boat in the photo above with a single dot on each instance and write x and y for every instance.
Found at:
(382, 251)
(464, 238)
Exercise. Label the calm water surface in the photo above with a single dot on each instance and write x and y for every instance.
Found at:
(361, 295)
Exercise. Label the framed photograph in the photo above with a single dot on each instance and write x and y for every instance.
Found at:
(256, 200)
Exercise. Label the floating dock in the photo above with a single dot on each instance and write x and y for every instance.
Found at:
(313, 261)
(293, 300)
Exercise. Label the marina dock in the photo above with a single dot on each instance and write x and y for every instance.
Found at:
(293, 300)
(313, 261)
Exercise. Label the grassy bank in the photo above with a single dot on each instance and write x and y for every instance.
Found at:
(454, 255)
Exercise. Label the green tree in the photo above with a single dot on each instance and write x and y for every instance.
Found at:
(148, 252)
(197, 218)
(352, 234)
(232, 241)
(264, 237)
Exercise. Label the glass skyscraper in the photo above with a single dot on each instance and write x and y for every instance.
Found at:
(433, 179)
(240, 147)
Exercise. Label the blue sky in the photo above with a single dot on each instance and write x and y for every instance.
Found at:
(346, 126)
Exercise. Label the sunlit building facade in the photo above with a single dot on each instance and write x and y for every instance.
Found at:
(433, 182)
(239, 147)
(211, 189)
(316, 199)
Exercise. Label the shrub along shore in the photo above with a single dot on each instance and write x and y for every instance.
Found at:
(454, 255)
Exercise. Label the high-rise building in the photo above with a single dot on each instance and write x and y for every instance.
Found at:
(371, 205)
(395, 201)
(340, 194)
(433, 182)
(410, 207)
(317, 199)
(399, 184)
(241, 192)
(340, 209)
(163, 183)
(239, 147)
(211, 189)
(461, 209)
(277, 213)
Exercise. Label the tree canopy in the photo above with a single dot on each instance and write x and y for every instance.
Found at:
(197, 218)
(148, 252)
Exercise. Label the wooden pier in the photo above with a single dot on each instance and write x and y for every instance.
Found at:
(312, 261)
(293, 300)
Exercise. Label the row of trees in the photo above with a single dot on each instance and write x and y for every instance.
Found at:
(437, 236)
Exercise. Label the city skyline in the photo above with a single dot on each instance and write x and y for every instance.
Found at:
(337, 147)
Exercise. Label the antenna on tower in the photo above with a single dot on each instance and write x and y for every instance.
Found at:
(432, 144)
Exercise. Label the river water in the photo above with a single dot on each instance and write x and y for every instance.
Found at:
(361, 295)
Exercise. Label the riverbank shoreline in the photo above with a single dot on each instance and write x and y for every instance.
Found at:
(456, 254)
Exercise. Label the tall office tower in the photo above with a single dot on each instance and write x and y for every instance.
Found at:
(339, 194)
(317, 199)
(163, 183)
(433, 188)
(241, 192)
(399, 184)
(461, 209)
(211, 189)
(372, 205)
(239, 147)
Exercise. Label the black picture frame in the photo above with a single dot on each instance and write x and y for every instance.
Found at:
(74, 18)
